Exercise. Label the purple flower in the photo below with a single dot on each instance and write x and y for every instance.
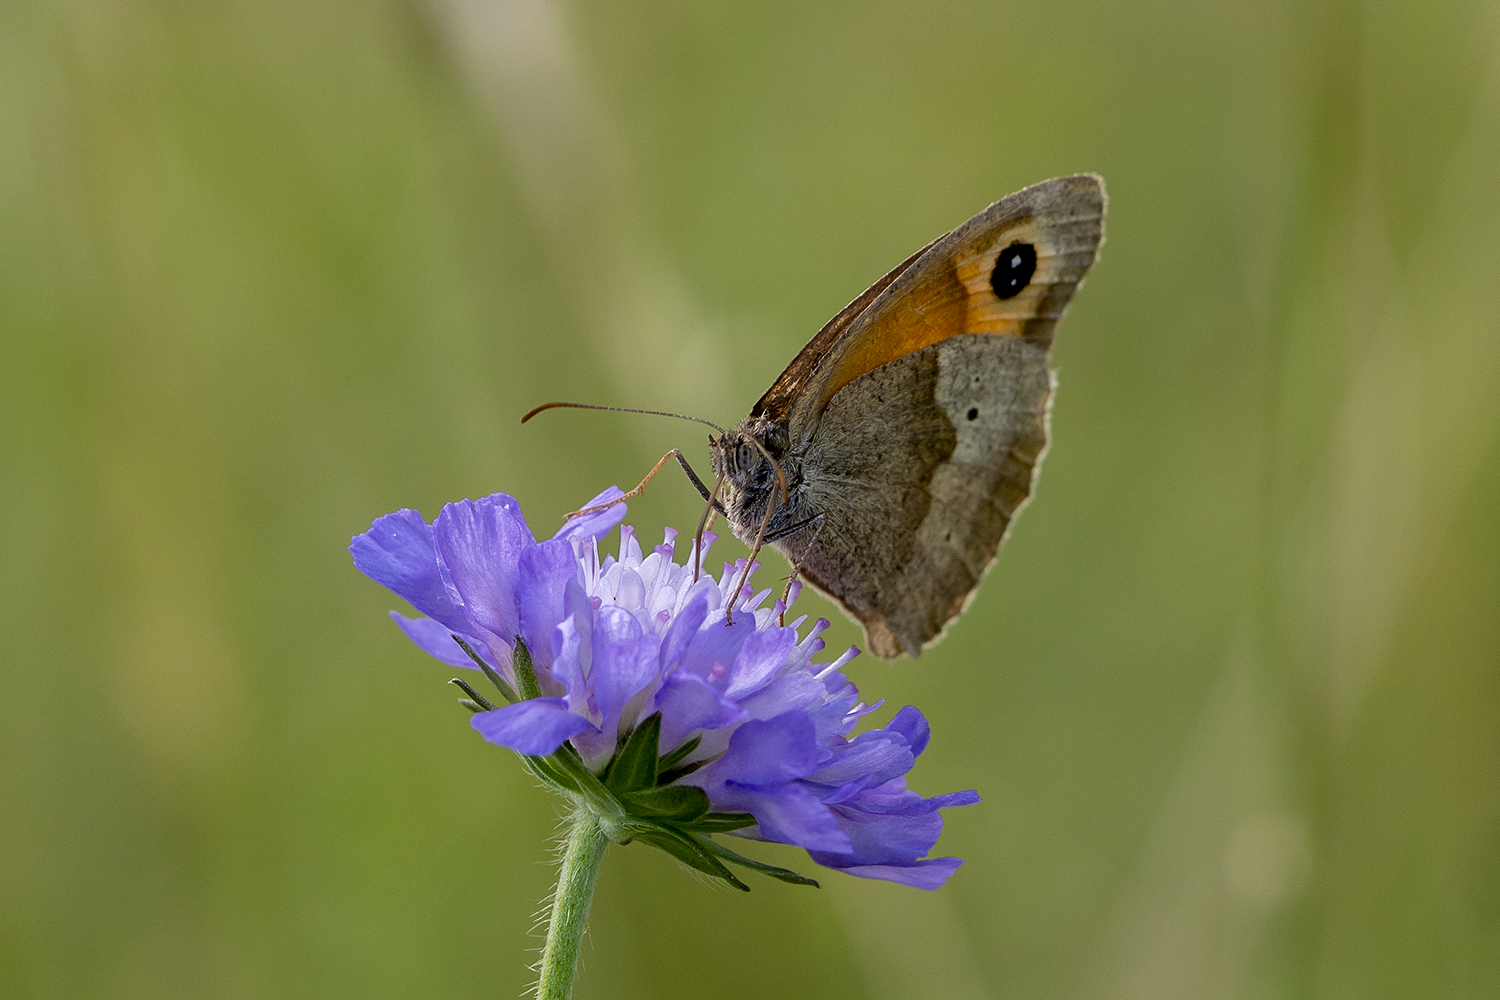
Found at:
(744, 713)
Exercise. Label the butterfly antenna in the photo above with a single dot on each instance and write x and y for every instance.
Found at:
(618, 409)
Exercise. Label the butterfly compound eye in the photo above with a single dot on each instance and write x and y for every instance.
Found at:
(744, 456)
(1013, 270)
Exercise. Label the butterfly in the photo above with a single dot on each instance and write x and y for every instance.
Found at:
(889, 459)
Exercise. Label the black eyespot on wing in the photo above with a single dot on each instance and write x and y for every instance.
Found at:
(973, 413)
(1013, 270)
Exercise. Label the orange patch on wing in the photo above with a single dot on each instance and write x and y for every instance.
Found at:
(956, 299)
(1005, 317)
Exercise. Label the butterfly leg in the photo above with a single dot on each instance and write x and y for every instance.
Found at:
(674, 453)
(791, 581)
(817, 521)
(707, 519)
(760, 539)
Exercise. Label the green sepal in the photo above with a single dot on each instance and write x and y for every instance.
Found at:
(674, 819)
(666, 776)
(526, 680)
(599, 798)
(545, 769)
(634, 766)
(671, 760)
(720, 822)
(474, 702)
(784, 874)
(681, 804)
(690, 850)
(506, 691)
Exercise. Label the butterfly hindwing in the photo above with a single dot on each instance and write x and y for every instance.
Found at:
(917, 501)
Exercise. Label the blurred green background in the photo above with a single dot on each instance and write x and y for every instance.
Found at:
(269, 270)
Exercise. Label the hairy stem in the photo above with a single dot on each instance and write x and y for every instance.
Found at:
(570, 906)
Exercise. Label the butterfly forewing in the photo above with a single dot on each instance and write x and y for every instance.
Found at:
(949, 290)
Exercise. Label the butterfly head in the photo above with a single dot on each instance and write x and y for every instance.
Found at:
(746, 457)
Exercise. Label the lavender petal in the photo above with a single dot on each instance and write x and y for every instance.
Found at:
(480, 544)
(436, 640)
(595, 526)
(541, 587)
(398, 552)
(535, 728)
(928, 873)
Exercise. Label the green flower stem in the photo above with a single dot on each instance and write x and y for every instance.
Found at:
(570, 905)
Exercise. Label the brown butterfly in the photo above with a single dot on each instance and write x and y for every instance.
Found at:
(890, 458)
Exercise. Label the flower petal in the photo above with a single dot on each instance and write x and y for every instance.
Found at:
(595, 526)
(895, 799)
(910, 723)
(767, 753)
(716, 646)
(535, 728)
(786, 814)
(624, 589)
(893, 829)
(680, 633)
(687, 703)
(883, 839)
(436, 640)
(398, 552)
(798, 692)
(480, 544)
(763, 653)
(570, 641)
(872, 758)
(929, 873)
(541, 586)
(624, 662)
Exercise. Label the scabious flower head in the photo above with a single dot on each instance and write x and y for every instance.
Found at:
(630, 644)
